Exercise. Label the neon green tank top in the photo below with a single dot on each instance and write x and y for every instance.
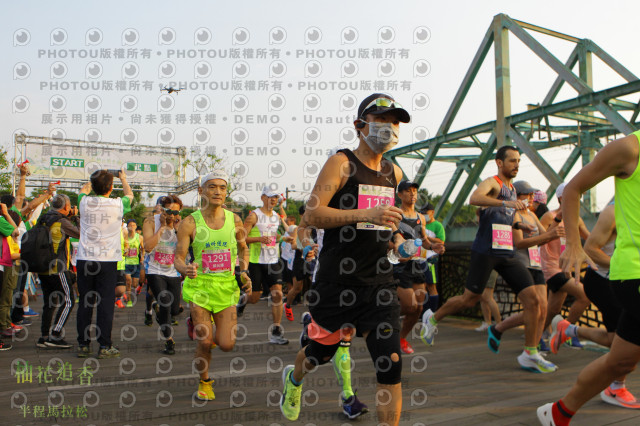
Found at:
(133, 254)
(121, 262)
(625, 262)
(215, 251)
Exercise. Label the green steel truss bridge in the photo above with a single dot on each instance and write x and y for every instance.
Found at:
(584, 120)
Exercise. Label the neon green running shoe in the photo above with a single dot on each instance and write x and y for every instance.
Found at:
(290, 401)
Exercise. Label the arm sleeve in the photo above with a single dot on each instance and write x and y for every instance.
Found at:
(69, 228)
(80, 197)
(126, 205)
(5, 227)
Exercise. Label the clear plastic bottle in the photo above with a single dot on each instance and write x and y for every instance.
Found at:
(409, 248)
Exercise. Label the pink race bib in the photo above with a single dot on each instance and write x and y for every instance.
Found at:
(272, 241)
(214, 261)
(502, 237)
(370, 196)
(534, 257)
(163, 258)
(133, 252)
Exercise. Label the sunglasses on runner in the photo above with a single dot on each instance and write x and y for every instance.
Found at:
(383, 102)
(173, 212)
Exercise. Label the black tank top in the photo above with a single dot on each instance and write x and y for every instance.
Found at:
(410, 228)
(350, 255)
(495, 215)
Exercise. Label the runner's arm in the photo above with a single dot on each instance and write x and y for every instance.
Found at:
(602, 233)
(148, 227)
(331, 179)
(249, 223)
(20, 193)
(185, 230)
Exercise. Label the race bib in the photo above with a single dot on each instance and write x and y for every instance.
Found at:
(372, 196)
(165, 259)
(534, 257)
(215, 261)
(502, 237)
(272, 240)
(133, 252)
(563, 244)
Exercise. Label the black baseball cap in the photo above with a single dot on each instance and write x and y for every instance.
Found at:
(406, 184)
(380, 103)
(523, 187)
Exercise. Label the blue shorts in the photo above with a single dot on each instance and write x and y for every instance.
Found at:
(133, 270)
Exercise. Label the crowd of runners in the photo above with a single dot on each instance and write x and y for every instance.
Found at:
(351, 243)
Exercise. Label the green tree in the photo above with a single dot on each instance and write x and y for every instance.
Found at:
(6, 172)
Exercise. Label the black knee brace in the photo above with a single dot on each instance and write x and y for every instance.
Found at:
(383, 344)
(318, 354)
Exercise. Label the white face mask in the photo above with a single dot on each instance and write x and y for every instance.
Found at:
(382, 137)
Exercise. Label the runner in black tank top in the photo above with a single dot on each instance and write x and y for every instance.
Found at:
(528, 235)
(409, 274)
(493, 249)
(352, 200)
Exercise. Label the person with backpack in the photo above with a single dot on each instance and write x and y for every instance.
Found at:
(57, 280)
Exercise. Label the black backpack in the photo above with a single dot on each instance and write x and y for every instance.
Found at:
(36, 250)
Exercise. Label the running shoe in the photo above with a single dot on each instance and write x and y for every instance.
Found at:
(138, 289)
(30, 313)
(278, 339)
(290, 400)
(352, 407)
(545, 415)
(493, 341)
(621, 397)
(53, 342)
(428, 330)
(574, 343)
(483, 327)
(155, 307)
(24, 322)
(304, 335)
(129, 304)
(110, 352)
(406, 347)
(41, 342)
(119, 304)
(190, 328)
(536, 363)
(205, 390)
(288, 312)
(17, 328)
(84, 351)
(543, 346)
(10, 332)
(174, 321)
(5, 346)
(148, 319)
(169, 347)
(559, 333)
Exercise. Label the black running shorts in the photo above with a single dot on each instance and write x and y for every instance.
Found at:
(514, 273)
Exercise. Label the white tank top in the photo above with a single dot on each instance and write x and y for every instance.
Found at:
(268, 226)
(163, 254)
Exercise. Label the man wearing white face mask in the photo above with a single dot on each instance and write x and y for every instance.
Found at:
(354, 292)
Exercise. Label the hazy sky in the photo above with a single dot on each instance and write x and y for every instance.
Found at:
(255, 73)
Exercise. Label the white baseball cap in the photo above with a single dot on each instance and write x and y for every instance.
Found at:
(268, 192)
(216, 174)
(560, 189)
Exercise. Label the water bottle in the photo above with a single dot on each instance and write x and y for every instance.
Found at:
(393, 259)
(409, 248)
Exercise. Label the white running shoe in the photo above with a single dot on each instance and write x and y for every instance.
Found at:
(536, 363)
(428, 330)
(483, 327)
(544, 415)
